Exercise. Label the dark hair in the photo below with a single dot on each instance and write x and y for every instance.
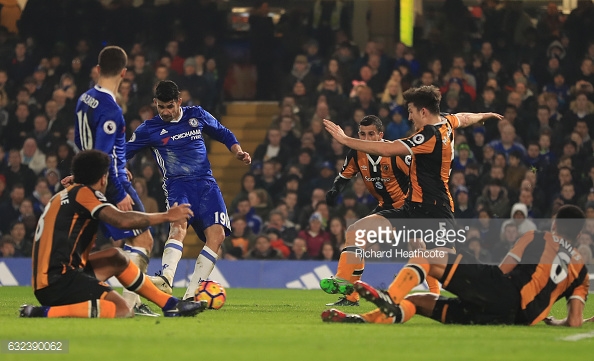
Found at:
(543, 107)
(89, 166)
(372, 120)
(570, 221)
(427, 97)
(516, 153)
(512, 107)
(166, 91)
(112, 60)
(533, 142)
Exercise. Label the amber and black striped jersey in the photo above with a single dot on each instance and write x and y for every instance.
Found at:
(386, 178)
(432, 151)
(548, 268)
(66, 232)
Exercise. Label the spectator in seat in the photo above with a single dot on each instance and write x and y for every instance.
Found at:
(481, 254)
(277, 242)
(17, 172)
(519, 216)
(32, 157)
(8, 248)
(507, 143)
(248, 184)
(277, 221)
(299, 250)
(272, 147)
(314, 235)
(494, 197)
(462, 207)
(328, 252)
(508, 238)
(263, 250)
(9, 211)
(240, 241)
(23, 244)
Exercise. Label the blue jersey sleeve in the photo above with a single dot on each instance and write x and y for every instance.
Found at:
(106, 133)
(140, 139)
(214, 129)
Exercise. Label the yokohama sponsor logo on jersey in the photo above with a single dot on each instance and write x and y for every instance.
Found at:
(186, 134)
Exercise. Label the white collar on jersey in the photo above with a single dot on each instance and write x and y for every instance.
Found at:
(181, 114)
(101, 89)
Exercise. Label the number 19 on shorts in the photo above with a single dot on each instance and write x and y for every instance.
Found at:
(223, 219)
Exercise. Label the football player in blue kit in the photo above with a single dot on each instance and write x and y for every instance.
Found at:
(175, 137)
(100, 125)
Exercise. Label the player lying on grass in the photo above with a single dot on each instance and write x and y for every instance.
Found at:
(541, 268)
(431, 151)
(68, 280)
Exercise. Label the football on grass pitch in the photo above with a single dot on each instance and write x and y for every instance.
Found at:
(213, 293)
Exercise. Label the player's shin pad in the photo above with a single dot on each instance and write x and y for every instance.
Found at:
(349, 262)
(138, 256)
(351, 267)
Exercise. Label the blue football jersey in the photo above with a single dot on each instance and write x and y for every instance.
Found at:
(178, 146)
(100, 125)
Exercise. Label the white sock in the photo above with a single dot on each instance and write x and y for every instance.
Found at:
(204, 265)
(138, 256)
(171, 255)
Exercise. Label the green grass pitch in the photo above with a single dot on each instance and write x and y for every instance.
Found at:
(284, 325)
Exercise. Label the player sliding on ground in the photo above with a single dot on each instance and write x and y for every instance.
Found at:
(68, 280)
(431, 150)
(386, 179)
(175, 137)
(540, 269)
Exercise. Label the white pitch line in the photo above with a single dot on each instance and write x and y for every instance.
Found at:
(579, 336)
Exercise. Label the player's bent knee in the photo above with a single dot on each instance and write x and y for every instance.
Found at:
(424, 302)
(119, 258)
(144, 240)
(178, 231)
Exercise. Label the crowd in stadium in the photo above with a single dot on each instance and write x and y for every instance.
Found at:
(491, 59)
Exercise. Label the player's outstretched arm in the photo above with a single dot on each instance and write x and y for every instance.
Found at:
(385, 149)
(468, 119)
(240, 154)
(130, 220)
(575, 315)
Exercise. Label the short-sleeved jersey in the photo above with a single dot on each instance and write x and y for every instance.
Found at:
(178, 146)
(548, 268)
(386, 178)
(100, 125)
(66, 232)
(432, 151)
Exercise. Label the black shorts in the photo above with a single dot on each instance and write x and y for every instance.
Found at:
(485, 295)
(74, 286)
(428, 218)
(378, 209)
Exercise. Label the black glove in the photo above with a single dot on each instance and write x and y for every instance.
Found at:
(331, 197)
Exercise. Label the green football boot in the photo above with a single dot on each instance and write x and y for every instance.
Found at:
(334, 285)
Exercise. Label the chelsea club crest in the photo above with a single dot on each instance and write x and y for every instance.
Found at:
(193, 122)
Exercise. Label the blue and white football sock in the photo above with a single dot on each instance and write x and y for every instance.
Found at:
(204, 265)
(172, 253)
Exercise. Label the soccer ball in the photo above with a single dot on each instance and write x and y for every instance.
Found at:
(213, 293)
